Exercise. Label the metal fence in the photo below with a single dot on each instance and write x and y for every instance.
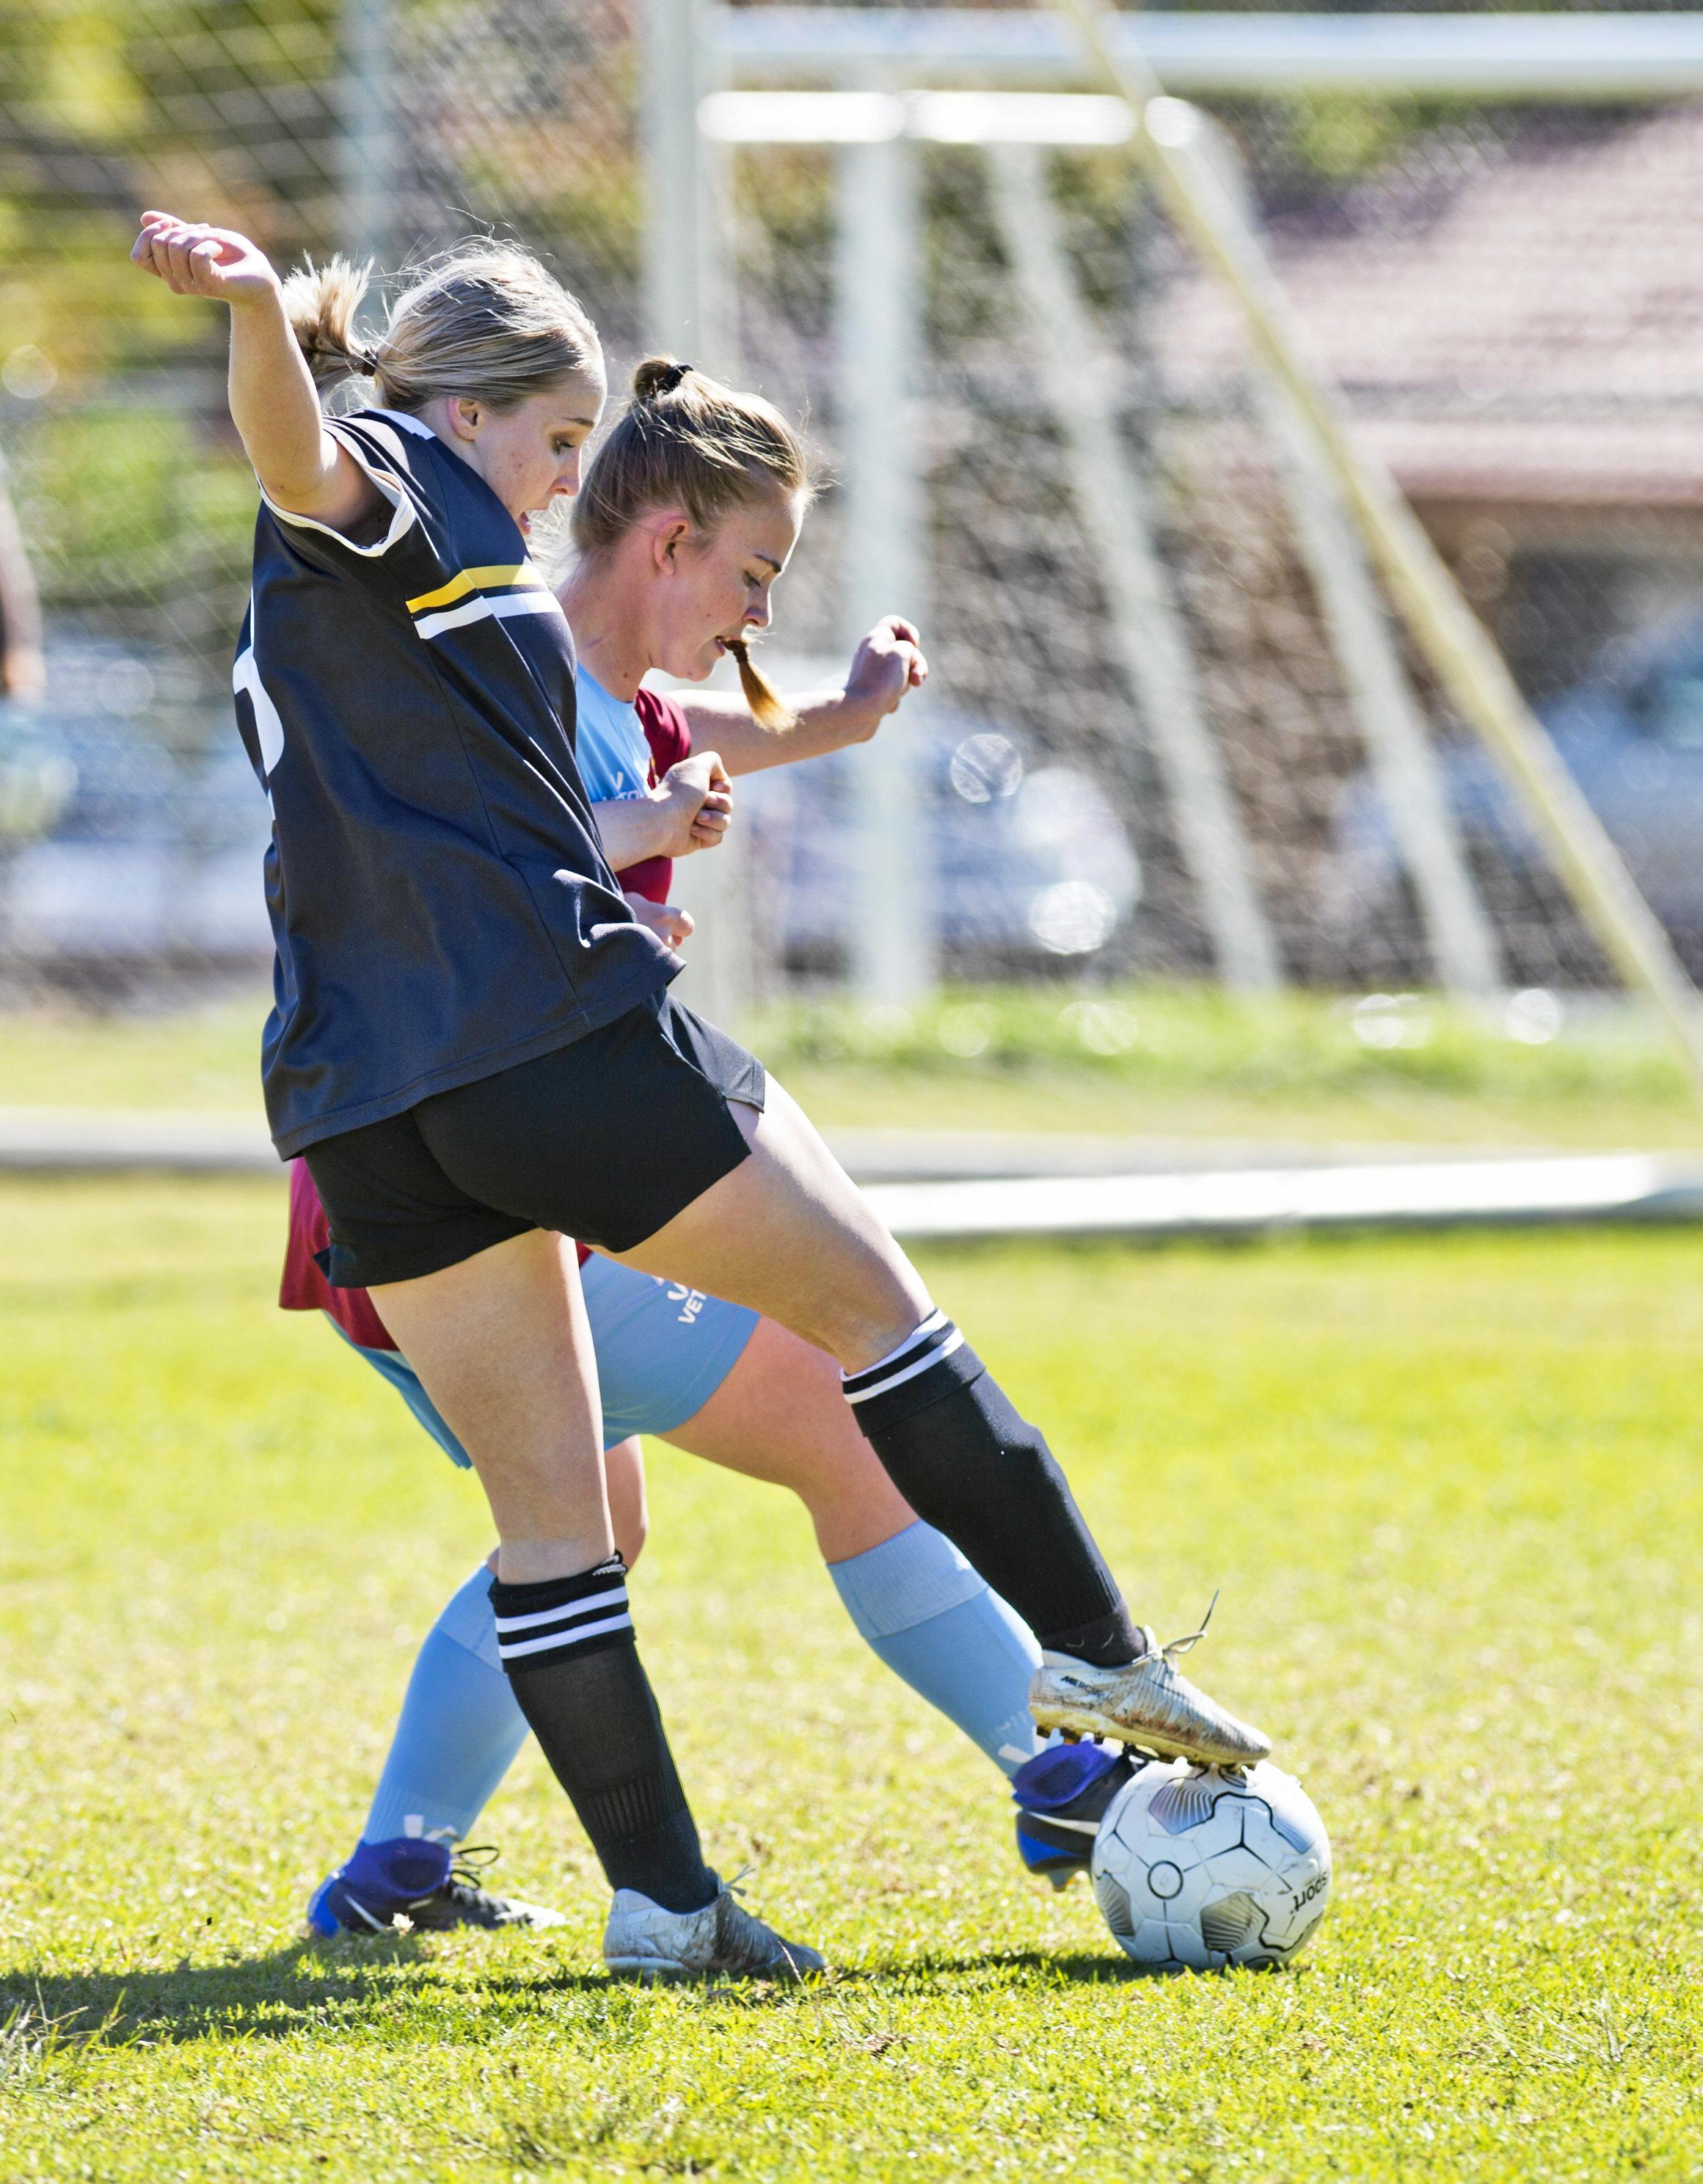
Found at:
(1165, 699)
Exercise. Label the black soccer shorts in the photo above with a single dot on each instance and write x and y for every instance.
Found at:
(605, 1139)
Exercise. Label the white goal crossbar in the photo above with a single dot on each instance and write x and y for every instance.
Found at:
(1583, 56)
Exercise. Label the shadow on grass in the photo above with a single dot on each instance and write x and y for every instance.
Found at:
(1073, 1970)
(273, 1996)
(350, 1987)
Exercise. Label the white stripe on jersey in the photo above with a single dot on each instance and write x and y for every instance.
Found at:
(401, 519)
(386, 438)
(399, 417)
(513, 603)
(268, 727)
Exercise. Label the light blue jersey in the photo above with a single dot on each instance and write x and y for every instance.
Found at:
(662, 1349)
(609, 744)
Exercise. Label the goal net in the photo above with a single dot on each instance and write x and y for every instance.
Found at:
(1172, 732)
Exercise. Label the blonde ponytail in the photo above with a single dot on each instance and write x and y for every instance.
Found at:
(487, 322)
(320, 303)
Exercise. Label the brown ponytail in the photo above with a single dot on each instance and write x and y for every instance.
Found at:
(658, 375)
(687, 442)
(769, 710)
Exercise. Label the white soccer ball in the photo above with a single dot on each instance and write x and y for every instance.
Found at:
(1198, 1868)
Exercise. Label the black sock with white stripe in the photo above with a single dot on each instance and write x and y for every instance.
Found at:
(970, 1467)
(573, 1664)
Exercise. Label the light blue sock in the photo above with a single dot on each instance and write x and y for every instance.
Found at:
(459, 1729)
(938, 1624)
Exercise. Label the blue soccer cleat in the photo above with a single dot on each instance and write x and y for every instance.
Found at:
(1061, 1796)
(423, 1882)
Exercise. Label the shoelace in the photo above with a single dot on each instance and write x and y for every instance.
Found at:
(733, 1888)
(1176, 1645)
(469, 1862)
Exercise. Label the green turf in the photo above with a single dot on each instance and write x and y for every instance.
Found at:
(1186, 1062)
(1449, 1488)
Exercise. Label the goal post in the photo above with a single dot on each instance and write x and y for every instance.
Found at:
(1146, 618)
(1462, 939)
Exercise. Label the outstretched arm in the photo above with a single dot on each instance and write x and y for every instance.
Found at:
(274, 403)
(886, 665)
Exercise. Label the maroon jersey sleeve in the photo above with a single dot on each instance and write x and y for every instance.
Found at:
(304, 1287)
(669, 734)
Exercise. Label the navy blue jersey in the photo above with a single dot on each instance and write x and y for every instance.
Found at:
(441, 904)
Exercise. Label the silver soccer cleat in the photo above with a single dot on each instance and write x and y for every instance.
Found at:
(722, 1940)
(1147, 1701)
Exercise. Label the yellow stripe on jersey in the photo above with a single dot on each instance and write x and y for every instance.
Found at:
(475, 580)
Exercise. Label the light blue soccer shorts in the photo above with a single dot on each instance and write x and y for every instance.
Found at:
(662, 1351)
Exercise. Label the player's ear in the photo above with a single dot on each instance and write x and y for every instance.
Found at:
(466, 415)
(668, 542)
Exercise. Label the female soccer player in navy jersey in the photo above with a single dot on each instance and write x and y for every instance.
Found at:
(471, 1041)
(711, 1377)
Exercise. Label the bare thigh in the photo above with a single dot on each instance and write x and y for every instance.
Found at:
(789, 1234)
(502, 1346)
(779, 1416)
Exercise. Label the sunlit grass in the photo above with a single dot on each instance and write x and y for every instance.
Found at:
(1450, 1489)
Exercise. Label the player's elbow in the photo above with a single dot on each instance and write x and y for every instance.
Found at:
(321, 484)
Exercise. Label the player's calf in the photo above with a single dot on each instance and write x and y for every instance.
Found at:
(978, 1471)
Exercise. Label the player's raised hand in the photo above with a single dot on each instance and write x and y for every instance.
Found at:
(194, 260)
(886, 665)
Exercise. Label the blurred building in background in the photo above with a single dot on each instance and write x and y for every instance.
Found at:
(1509, 288)
(1512, 311)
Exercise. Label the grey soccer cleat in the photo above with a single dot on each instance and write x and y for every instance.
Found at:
(1147, 1701)
(722, 1940)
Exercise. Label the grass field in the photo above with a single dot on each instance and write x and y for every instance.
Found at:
(1450, 1489)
